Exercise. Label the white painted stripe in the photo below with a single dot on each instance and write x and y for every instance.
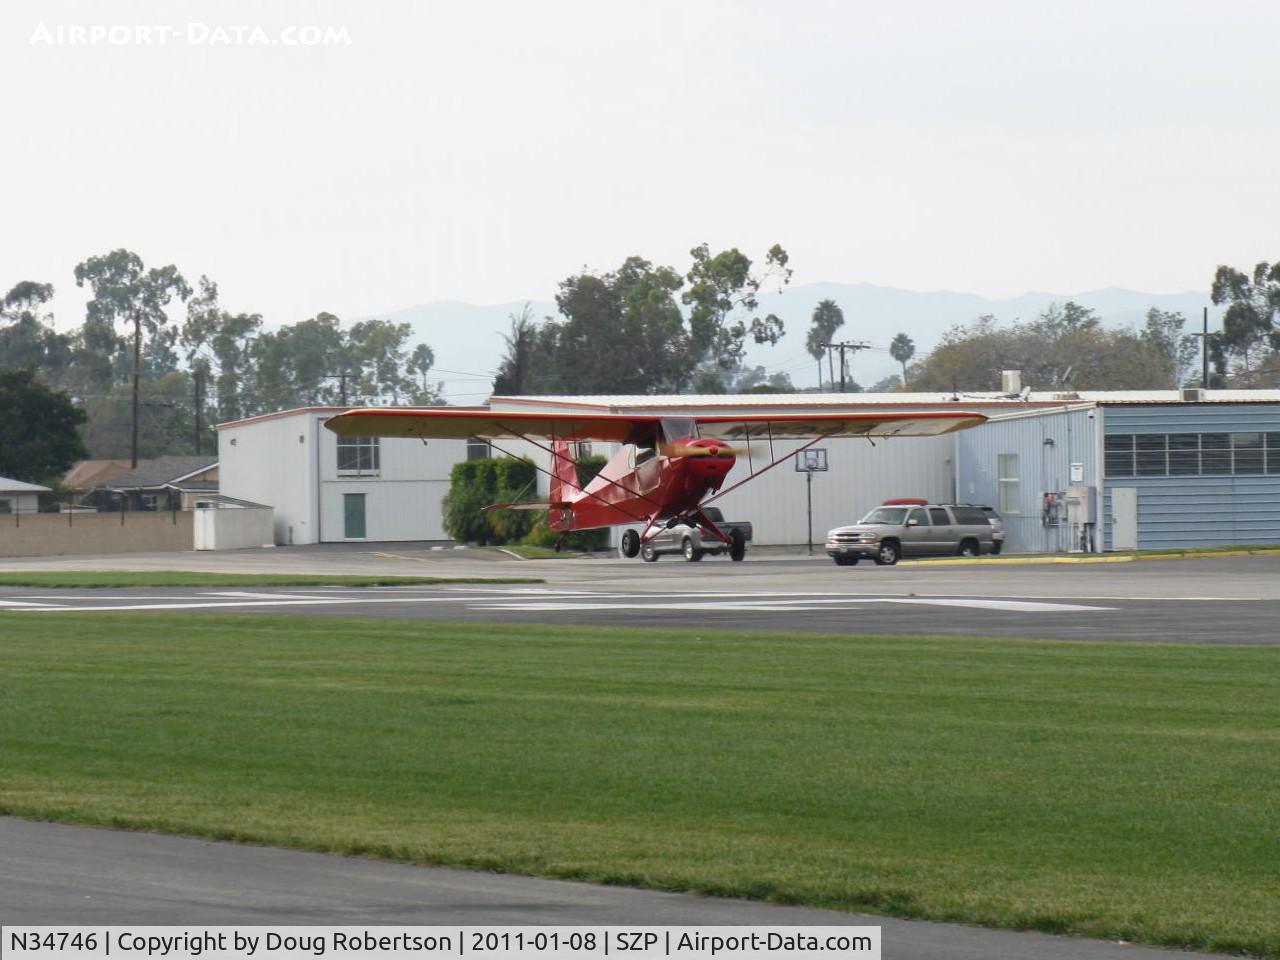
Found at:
(233, 604)
(16, 604)
(1012, 606)
(245, 595)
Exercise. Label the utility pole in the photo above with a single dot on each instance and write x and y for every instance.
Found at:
(342, 379)
(854, 345)
(197, 403)
(1204, 351)
(137, 362)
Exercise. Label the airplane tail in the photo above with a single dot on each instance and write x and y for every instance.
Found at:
(564, 474)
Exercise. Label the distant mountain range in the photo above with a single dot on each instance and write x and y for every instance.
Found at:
(467, 338)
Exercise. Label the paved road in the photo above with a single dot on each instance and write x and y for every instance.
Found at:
(58, 874)
(1225, 600)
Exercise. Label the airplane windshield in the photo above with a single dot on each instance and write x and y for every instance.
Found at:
(678, 428)
(890, 515)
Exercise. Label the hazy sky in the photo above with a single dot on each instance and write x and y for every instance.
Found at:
(484, 151)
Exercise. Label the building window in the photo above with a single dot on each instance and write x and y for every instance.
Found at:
(358, 456)
(6, 506)
(1007, 478)
(1152, 454)
(1192, 454)
(478, 449)
(1184, 454)
(1119, 455)
(1215, 454)
(1246, 453)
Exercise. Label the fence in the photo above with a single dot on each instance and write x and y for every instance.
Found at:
(53, 534)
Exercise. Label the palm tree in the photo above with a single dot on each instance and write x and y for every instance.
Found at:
(827, 319)
(902, 349)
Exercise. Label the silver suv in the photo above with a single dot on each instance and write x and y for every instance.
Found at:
(891, 532)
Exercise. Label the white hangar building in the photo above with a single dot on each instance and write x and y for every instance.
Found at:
(327, 488)
(1068, 471)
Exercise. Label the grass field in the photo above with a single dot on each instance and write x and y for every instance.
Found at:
(182, 578)
(1125, 791)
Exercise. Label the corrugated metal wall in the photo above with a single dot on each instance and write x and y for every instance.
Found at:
(1199, 511)
(1046, 444)
(859, 477)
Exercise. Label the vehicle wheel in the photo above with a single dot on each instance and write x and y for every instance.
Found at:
(846, 561)
(888, 554)
(630, 543)
(968, 548)
(737, 545)
(648, 554)
(691, 552)
(995, 547)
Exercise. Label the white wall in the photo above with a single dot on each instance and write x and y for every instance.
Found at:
(859, 476)
(272, 461)
(22, 502)
(290, 462)
(233, 528)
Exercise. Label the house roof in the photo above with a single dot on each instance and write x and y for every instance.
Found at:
(20, 486)
(87, 474)
(216, 500)
(161, 472)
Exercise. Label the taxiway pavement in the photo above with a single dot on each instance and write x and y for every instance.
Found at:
(1221, 600)
(58, 874)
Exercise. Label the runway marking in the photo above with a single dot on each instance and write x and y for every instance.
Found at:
(20, 604)
(1011, 606)
(230, 604)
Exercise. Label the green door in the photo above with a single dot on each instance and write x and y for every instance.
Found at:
(353, 516)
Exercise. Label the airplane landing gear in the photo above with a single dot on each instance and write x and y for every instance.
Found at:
(630, 544)
(737, 544)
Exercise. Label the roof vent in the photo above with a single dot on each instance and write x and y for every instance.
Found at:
(1010, 381)
(1192, 394)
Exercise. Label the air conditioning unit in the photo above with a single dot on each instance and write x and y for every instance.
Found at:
(1192, 394)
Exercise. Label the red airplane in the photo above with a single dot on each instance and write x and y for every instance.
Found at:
(668, 468)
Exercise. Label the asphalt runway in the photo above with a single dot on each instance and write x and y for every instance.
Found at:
(58, 874)
(1224, 600)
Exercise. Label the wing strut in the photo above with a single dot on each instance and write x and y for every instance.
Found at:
(726, 490)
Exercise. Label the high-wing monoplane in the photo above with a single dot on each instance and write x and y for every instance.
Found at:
(667, 470)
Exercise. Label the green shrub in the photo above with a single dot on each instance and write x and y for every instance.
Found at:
(476, 484)
(472, 487)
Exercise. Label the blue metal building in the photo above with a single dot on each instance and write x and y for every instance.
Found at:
(1165, 471)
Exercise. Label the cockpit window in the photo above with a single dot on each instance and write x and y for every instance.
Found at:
(678, 428)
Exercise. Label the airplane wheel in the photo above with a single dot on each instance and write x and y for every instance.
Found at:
(648, 554)
(888, 554)
(737, 545)
(691, 552)
(630, 544)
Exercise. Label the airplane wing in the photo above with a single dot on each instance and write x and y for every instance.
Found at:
(441, 423)
(446, 423)
(807, 426)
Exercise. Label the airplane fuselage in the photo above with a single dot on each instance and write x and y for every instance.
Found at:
(643, 484)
